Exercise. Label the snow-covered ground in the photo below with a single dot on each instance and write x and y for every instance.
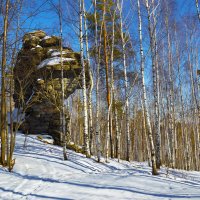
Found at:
(40, 173)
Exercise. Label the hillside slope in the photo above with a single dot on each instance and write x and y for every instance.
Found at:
(40, 173)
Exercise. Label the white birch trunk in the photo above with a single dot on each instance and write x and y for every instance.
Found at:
(152, 35)
(146, 113)
(145, 133)
(170, 83)
(126, 83)
(97, 62)
(113, 88)
(85, 111)
(118, 135)
(156, 91)
(62, 112)
(91, 83)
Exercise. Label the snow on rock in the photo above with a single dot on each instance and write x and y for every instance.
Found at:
(53, 61)
(51, 50)
(40, 173)
(38, 46)
(57, 53)
(46, 37)
(40, 81)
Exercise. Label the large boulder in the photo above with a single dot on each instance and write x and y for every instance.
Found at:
(37, 76)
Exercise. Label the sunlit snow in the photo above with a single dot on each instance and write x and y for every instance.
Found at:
(53, 61)
(40, 174)
(46, 37)
(57, 53)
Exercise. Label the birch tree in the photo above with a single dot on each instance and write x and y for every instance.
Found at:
(156, 88)
(85, 111)
(125, 81)
(153, 47)
(62, 112)
(113, 96)
(97, 63)
(170, 83)
(146, 113)
(91, 82)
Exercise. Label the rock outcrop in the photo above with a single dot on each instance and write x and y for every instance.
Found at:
(37, 76)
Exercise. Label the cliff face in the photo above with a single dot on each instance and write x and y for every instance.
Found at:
(37, 76)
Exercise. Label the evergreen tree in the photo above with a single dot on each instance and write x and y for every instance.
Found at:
(118, 51)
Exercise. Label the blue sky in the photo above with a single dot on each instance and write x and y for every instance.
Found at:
(47, 19)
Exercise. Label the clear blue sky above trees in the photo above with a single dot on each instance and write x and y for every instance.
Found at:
(46, 17)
